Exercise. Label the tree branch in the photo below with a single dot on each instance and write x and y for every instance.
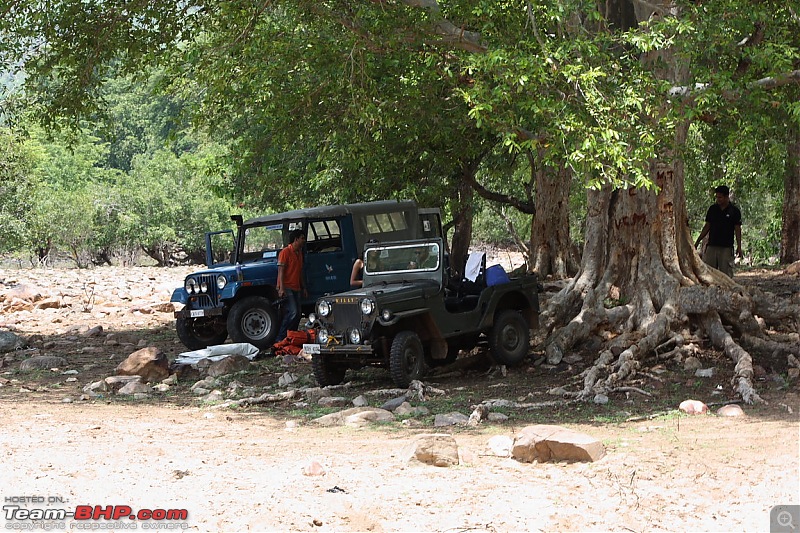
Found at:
(453, 35)
(507, 199)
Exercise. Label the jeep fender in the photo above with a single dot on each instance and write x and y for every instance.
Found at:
(421, 322)
(180, 296)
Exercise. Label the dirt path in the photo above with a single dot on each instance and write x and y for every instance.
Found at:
(253, 469)
(247, 472)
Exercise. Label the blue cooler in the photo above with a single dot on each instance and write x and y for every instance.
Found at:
(496, 275)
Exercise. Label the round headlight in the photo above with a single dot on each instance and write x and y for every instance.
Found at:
(367, 306)
(386, 315)
(204, 286)
(355, 336)
(221, 282)
(324, 308)
(322, 336)
(190, 286)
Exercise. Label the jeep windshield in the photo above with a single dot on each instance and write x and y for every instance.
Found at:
(402, 258)
(261, 242)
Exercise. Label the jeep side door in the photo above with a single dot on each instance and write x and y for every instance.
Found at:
(330, 252)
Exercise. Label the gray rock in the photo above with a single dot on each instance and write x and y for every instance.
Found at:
(394, 403)
(117, 383)
(692, 363)
(42, 362)
(544, 443)
(96, 331)
(497, 417)
(313, 394)
(704, 372)
(450, 419)
(134, 387)
(10, 341)
(333, 401)
(287, 379)
(600, 399)
(360, 401)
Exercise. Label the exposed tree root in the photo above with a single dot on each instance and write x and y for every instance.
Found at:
(641, 287)
(635, 335)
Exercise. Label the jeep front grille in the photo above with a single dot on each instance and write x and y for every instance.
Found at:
(345, 316)
(208, 299)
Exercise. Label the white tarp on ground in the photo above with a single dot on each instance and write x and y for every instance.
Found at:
(215, 353)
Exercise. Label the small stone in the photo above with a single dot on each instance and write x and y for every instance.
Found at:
(287, 379)
(360, 401)
(693, 407)
(730, 410)
(313, 469)
(600, 399)
(704, 372)
(394, 403)
(333, 401)
(692, 363)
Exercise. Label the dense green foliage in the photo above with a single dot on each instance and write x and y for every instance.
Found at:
(193, 108)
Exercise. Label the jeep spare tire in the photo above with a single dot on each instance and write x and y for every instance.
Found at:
(254, 320)
(406, 359)
(510, 337)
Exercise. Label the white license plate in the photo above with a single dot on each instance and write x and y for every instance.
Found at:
(194, 313)
(311, 348)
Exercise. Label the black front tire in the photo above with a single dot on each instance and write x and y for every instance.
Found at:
(509, 339)
(254, 320)
(406, 359)
(199, 333)
(326, 372)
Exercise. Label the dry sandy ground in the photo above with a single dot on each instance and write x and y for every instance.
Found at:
(248, 472)
(253, 470)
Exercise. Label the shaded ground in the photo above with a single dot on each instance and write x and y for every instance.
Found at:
(246, 469)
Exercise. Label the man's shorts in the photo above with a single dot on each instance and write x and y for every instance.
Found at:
(720, 258)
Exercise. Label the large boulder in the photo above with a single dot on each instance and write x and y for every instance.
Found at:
(545, 443)
(150, 363)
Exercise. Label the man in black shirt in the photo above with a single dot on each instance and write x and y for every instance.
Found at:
(723, 223)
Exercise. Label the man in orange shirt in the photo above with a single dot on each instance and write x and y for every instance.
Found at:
(290, 281)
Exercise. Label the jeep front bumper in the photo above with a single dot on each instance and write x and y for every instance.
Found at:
(199, 313)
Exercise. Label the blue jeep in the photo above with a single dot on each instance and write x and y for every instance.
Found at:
(236, 296)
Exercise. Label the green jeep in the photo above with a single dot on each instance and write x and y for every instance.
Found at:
(409, 316)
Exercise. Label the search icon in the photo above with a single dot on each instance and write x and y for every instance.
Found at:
(785, 520)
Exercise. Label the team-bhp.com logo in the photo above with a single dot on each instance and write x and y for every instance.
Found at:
(90, 517)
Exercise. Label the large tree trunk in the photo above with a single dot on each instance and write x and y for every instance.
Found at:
(463, 213)
(551, 250)
(790, 230)
(641, 283)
